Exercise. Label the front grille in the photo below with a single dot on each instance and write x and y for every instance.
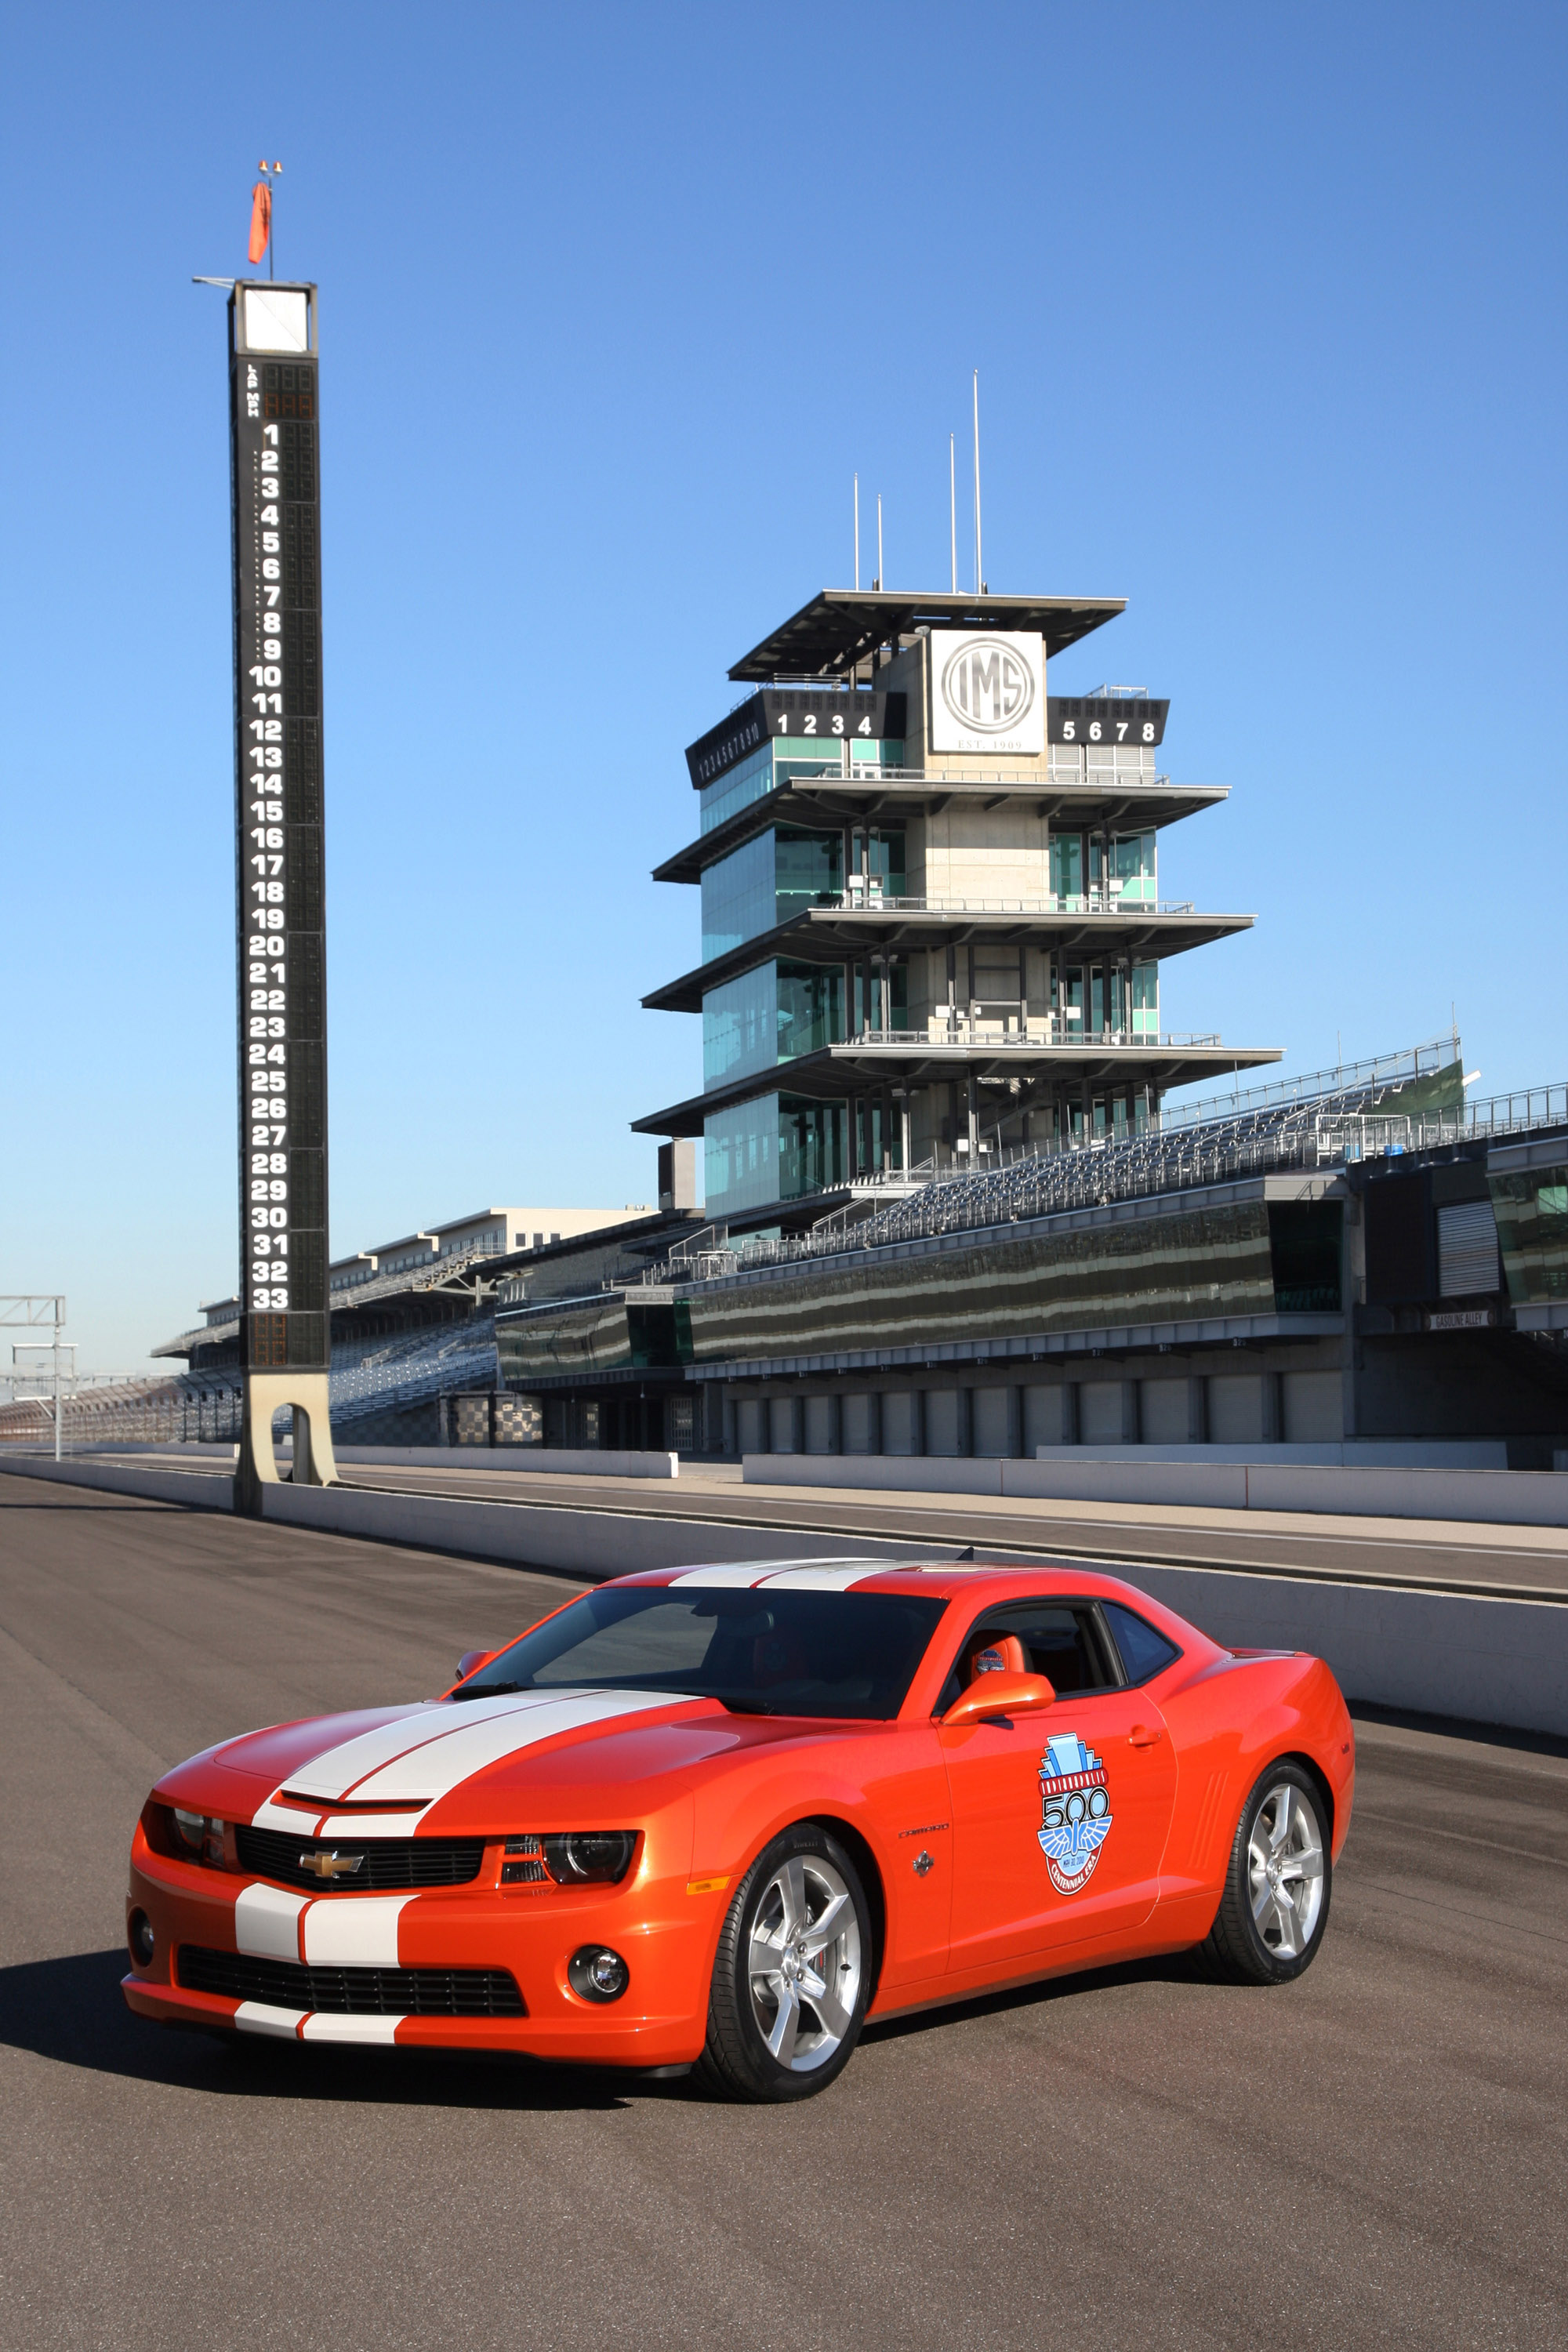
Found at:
(351, 1992)
(390, 1865)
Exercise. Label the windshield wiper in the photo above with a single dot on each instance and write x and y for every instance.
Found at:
(746, 1705)
(487, 1690)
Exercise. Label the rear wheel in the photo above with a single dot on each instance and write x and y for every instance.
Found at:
(793, 1974)
(1275, 1906)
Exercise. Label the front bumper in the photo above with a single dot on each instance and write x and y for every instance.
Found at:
(665, 1935)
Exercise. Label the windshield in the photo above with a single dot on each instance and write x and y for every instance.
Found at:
(835, 1653)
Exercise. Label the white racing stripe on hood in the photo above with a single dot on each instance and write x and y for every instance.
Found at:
(463, 1738)
(336, 1770)
(371, 1825)
(273, 1816)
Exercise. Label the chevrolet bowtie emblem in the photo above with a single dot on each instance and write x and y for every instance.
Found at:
(331, 1866)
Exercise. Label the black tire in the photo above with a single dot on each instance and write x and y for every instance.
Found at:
(1267, 1930)
(736, 2063)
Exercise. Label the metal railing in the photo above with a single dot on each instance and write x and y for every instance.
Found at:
(1359, 1085)
(1043, 1030)
(192, 1406)
(1097, 779)
(1088, 903)
(427, 1274)
(181, 1410)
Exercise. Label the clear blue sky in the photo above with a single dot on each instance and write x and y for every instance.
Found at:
(1269, 309)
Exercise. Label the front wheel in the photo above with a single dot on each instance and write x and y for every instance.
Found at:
(793, 1974)
(1275, 1906)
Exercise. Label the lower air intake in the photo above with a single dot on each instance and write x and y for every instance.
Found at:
(351, 1992)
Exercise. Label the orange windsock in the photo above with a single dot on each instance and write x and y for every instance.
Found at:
(260, 219)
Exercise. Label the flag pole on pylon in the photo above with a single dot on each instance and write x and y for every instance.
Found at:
(262, 216)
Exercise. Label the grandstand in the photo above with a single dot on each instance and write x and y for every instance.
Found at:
(1362, 1252)
(413, 1327)
(1405, 1100)
(194, 1407)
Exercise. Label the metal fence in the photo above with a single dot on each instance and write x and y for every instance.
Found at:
(192, 1407)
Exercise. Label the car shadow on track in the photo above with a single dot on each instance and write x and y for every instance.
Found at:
(1176, 1968)
(72, 2011)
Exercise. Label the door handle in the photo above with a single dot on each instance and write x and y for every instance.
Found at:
(1143, 1735)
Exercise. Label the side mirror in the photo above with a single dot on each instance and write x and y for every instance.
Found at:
(470, 1661)
(989, 1695)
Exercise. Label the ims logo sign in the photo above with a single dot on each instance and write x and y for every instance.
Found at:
(987, 692)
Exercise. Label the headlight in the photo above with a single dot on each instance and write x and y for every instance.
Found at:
(198, 1836)
(571, 1858)
(593, 1858)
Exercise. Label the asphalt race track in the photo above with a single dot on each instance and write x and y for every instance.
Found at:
(1373, 2158)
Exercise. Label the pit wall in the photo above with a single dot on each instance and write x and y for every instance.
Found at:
(1500, 1497)
(1440, 1653)
(1496, 1661)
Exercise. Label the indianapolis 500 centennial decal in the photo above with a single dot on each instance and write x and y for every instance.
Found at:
(1075, 1811)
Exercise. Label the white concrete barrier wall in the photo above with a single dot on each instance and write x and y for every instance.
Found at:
(559, 1461)
(1501, 1661)
(1498, 1498)
(1492, 1660)
(553, 1461)
(591, 1544)
(202, 1488)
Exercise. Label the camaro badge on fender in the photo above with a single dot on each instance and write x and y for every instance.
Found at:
(1075, 1811)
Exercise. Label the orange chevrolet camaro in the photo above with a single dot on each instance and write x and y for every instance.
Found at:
(720, 1816)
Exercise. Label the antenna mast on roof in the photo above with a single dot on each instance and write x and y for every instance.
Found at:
(952, 507)
(856, 534)
(881, 575)
(979, 579)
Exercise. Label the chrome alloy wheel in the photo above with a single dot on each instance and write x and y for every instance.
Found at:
(802, 1962)
(1285, 1871)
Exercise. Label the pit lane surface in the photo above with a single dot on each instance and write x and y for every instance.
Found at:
(1526, 1563)
(1376, 2155)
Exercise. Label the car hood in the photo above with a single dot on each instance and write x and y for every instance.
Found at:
(392, 1771)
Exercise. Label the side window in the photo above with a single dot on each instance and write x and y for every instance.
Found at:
(1144, 1653)
(1061, 1640)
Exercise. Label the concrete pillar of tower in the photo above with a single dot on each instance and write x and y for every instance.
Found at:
(305, 1394)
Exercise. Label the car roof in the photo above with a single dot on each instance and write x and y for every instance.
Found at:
(942, 1580)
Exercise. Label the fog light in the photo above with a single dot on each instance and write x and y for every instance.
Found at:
(597, 1973)
(139, 1936)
